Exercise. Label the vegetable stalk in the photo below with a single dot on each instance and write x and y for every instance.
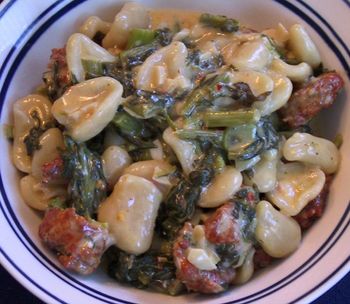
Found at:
(230, 118)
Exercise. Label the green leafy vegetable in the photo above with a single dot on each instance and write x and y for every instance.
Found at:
(135, 131)
(57, 203)
(215, 137)
(147, 104)
(94, 69)
(230, 118)
(32, 139)
(140, 36)
(201, 63)
(205, 93)
(178, 207)
(148, 270)
(222, 23)
(137, 55)
(246, 141)
(87, 187)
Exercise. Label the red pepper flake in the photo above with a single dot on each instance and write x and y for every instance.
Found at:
(250, 196)
(184, 244)
(52, 170)
(218, 87)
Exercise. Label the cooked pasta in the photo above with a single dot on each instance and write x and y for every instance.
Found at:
(177, 146)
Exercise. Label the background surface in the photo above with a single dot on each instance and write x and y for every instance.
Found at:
(13, 292)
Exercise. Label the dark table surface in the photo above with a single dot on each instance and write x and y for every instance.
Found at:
(12, 292)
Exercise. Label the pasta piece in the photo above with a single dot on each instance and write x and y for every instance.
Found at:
(86, 108)
(282, 91)
(303, 47)
(278, 234)
(112, 138)
(258, 82)
(150, 170)
(246, 271)
(93, 25)
(131, 212)
(200, 259)
(157, 153)
(37, 194)
(132, 15)
(26, 112)
(298, 184)
(223, 187)
(298, 73)
(165, 70)
(279, 34)
(114, 161)
(253, 55)
(184, 150)
(264, 174)
(50, 143)
(314, 150)
(80, 47)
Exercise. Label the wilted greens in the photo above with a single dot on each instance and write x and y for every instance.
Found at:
(87, 187)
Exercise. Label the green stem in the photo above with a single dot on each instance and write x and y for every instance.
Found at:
(230, 118)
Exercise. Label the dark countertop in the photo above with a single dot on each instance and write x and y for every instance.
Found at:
(13, 292)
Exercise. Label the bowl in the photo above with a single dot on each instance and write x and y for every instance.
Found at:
(34, 27)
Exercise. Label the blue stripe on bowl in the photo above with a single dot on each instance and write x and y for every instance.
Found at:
(7, 7)
(263, 293)
(347, 2)
(28, 278)
(324, 21)
(323, 282)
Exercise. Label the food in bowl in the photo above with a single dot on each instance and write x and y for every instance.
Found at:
(176, 147)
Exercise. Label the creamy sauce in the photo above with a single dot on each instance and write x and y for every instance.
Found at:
(173, 17)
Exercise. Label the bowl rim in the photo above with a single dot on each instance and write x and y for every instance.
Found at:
(24, 279)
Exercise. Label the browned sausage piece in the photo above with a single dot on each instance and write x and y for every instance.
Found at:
(314, 209)
(305, 103)
(79, 243)
(204, 281)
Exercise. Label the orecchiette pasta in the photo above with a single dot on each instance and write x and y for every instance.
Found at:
(245, 272)
(297, 185)
(184, 150)
(112, 138)
(80, 47)
(86, 108)
(130, 212)
(93, 25)
(279, 34)
(223, 187)
(252, 55)
(302, 46)
(28, 112)
(50, 143)
(264, 173)
(165, 70)
(132, 15)
(278, 234)
(282, 90)
(314, 150)
(202, 254)
(114, 160)
(298, 73)
(37, 194)
(149, 169)
(157, 153)
(258, 82)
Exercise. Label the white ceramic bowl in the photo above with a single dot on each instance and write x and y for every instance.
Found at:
(29, 29)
